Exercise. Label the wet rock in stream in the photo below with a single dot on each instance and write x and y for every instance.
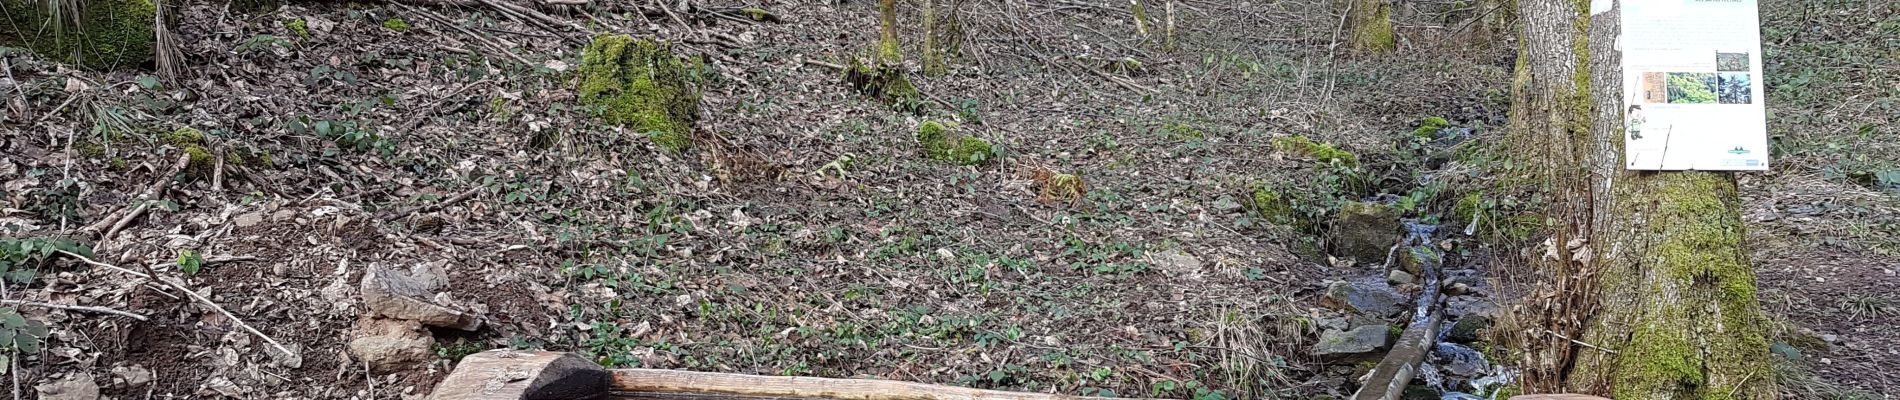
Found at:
(1371, 297)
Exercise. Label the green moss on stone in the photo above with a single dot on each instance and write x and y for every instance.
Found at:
(396, 24)
(1324, 152)
(108, 33)
(183, 137)
(640, 84)
(942, 144)
(1274, 206)
(1429, 128)
(202, 162)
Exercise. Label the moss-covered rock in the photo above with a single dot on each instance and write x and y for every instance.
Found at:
(1365, 231)
(1429, 128)
(941, 143)
(1324, 152)
(202, 162)
(104, 34)
(642, 85)
(1275, 207)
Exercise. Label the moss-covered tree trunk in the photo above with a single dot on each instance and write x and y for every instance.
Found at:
(1648, 265)
(889, 53)
(101, 34)
(933, 52)
(1370, 22)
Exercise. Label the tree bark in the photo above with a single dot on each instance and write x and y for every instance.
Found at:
(889, 53)
(1648, 266)
(1371, 24)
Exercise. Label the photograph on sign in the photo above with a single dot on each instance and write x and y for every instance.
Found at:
(1693, 95)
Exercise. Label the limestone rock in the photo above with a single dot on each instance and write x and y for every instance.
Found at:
(75, 386)
(1362, 342)
(131, 376)
(387, 344)
(1401, 277)
(409, 296)
(1372, 298)
(1365, 231)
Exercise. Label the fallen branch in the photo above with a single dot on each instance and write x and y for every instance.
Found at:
(825, 64)
(437, 206)
(102, 310)
(144, 202)
(180, 286)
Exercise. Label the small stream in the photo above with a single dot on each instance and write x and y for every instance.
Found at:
(1435, 357)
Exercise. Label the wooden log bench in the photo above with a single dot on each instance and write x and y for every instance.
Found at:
(542, 375)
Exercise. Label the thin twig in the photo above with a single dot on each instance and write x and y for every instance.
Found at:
(437, 206)
(1579, 342)
(103, 310)
(145, 200)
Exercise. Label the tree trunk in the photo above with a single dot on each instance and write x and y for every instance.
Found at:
(889, 53)
(1371, 24)
(933, 53)
(1649, 273)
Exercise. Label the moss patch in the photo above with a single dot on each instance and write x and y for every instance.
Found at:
(1429, 128)
(1467, 207)
(1324, 152)
(396, 24)
(1275, 207)
(641, 85)
(202, 162)
(942, 144)
(109, 33)
(1700, 332)
(298, 26)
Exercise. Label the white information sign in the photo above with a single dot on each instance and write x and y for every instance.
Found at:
(1693, 85)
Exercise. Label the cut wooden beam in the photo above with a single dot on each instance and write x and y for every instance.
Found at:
(658, 381)
(541, 375)
(523, 375)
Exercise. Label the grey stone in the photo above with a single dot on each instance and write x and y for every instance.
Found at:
(1365, 231)
(1458, 360)
(132, 376)
(388, 345)
(408, 295)
(1373, 298)
(75, 386)
(1359, 343)
(1466, 329)
(1401, 277)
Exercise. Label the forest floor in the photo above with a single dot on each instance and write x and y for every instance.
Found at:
(804, 234)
